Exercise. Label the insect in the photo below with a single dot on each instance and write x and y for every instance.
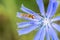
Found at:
(28, 16)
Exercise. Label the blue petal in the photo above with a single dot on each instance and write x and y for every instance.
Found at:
(56, 26)
(26, 18)
(47, 36)
(40, 35)
(53, 33)
(27, 30)
(56, 19)
(55, 6)
(41, 7)
(47, 33)
(24, 24)
(28, 10)
(52, 7)
(18, 15)
(49, 9)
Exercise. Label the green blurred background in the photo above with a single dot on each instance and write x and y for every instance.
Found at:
(8, 19)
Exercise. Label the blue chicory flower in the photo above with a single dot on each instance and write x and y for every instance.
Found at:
(44, 23)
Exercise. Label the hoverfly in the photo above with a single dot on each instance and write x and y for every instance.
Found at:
(28, 15)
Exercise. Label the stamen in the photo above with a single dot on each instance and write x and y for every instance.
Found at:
(46, 21)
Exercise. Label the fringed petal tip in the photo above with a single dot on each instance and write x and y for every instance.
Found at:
(24, 9)
(18, 26)
(24, 24)
(22, 6)
(18, 31)
(18, 15)
(27, 30)
(21, 15)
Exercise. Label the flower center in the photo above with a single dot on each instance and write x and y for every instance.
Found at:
(46, 21)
